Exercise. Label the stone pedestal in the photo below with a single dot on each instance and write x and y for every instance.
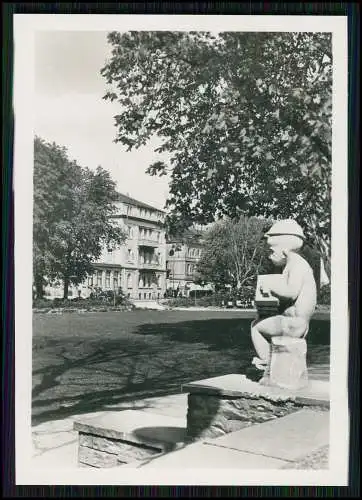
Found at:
(221, 405)
(288, 364)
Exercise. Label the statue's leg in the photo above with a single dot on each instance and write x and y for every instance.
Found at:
(260, 331)
(294, 327)
(262, 348)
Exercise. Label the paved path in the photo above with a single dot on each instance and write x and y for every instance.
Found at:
(299, 440)
(296, 441)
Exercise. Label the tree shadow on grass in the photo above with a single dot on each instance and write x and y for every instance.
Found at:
(79, 376)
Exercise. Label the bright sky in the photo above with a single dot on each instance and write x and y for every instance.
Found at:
(69, 110)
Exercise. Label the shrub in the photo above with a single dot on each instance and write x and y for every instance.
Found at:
(81, 303)
(42, 303)
(217, 299)
(181, 302)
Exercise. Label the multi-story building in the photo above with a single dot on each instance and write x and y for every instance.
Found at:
(183, 254)
(139, 265)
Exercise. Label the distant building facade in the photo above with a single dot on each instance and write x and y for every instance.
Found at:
(138, 266)
(183, 255)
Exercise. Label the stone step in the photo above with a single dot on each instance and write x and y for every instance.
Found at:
(126, 436)
(288, 438)
(272, 445)
(316, 393)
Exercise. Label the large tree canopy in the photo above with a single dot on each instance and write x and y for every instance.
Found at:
(234, 253)
(73, 208)
(245, 119)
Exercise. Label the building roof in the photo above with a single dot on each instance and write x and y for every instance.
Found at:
(132, 201)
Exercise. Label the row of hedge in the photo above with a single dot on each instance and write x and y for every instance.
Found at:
(243, 300)
(80, 303)
(215, 300)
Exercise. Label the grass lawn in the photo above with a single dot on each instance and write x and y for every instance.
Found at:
(84, 363)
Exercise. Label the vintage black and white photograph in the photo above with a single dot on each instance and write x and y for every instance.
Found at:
(177, 186)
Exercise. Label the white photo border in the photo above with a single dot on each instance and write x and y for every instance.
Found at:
(25, 26)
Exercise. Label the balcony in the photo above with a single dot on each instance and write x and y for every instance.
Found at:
(150, 265)
(147, 242)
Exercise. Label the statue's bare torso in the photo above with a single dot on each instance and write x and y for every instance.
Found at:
(298, 272)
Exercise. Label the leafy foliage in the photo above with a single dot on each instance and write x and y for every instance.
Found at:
(244, 117)
(73, 209)
(234, 253)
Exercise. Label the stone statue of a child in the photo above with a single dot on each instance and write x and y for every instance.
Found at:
(295, 289)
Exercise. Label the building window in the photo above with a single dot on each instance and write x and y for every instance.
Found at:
(140, 295)
(145, 295)
(90, 280)
(99, 278)
(108, 279)
(130, 255)
(129, 280)
(115, 279)
(149, 295)
(128, 295)
(158, 281)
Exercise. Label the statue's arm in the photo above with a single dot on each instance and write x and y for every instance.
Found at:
(290, 287)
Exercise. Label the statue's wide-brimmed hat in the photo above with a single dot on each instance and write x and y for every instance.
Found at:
(284, 227)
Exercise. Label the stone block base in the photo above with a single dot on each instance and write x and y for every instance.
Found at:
(95, 451)
(117, 438)
(226, 404)
(288, 363)
(211, 416)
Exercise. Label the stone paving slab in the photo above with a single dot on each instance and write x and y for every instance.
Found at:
(135, 427)
(58, 457)
(200, 456)
(317, 460)
(43, 442)
(287, 438)
(236, 385)
(173, 406)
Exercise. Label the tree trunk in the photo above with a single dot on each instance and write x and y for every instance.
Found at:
(325, 251)
(39, 286)
(66, 287)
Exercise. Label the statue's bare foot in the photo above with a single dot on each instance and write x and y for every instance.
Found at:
(259, 363)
